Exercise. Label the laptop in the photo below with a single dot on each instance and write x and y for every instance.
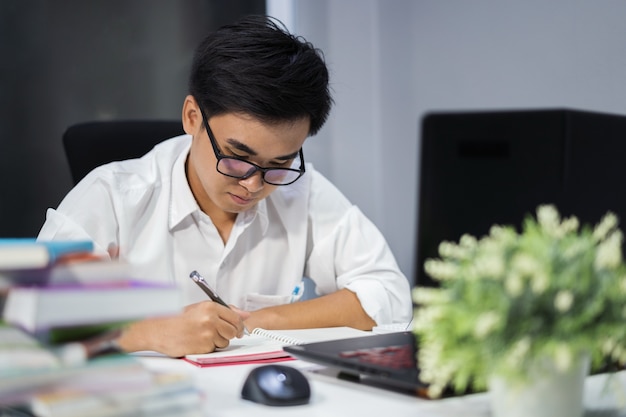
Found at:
(386, 359)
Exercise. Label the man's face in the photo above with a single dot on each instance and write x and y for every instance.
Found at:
(240, 136)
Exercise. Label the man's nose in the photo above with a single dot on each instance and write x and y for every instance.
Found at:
(254, 183)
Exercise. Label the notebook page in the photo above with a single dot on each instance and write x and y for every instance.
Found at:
(263, 344)
(301, 336)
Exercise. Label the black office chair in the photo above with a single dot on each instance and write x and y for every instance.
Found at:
(88, 145)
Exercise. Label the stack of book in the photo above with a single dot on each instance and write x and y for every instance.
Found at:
(56, 300)
(36, 380)
(59, 291)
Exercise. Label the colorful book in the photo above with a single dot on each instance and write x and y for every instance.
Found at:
(36, 378)
(42, 309)
(29, 367)
(21, 353)
(25, 253)
(169, 393)
(82, 269)
(262, 346)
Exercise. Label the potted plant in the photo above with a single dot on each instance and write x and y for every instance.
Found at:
(519, 310)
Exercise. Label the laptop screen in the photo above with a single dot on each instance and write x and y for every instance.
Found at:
(388, 358)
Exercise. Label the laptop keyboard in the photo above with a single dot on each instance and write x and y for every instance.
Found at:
(396, 357)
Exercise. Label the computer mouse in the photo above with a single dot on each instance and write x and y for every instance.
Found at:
(276, 385)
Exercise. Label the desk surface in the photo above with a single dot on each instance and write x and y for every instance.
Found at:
(334, 397)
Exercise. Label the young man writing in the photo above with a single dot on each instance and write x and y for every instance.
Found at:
(234, 200)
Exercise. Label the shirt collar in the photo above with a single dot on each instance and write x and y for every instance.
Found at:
(183, 203)
(259, 211)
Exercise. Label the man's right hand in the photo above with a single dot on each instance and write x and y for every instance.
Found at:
(200, 328)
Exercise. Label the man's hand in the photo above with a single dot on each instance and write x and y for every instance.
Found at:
(200, 328)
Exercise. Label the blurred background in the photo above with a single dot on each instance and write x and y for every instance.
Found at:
(391, 62)
(70, 61)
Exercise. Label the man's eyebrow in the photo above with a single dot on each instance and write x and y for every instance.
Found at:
(245, 148)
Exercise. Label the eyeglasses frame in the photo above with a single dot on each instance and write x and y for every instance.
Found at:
(219, 156)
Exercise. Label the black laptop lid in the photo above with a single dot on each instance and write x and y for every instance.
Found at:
(388, 358)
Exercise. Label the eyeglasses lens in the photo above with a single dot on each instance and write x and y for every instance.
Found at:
(242, 169)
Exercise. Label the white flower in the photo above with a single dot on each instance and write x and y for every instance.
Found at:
(445, 249)
(442, 375)
(440, 269)
(498, 232)
(491, 266)
(569, 225)
(524, 264)
(563, 300)
(486, 323)
(608, 345)
(549, 219)
(427, 296)
(540, 282)
(426, 318)
(514, 285)
(547, 215)
(450, 250)
(468, 241)
(608, 222)
(433, 369)
(609, 254)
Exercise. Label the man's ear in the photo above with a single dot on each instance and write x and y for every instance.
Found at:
(192, 118)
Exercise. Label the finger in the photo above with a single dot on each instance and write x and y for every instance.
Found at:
(242, 313)
(114, 251)
(233, 325)
(221, 343)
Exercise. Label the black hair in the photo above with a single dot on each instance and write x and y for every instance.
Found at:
(256, 67)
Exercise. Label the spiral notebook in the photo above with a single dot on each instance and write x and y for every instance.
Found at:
(267, 345)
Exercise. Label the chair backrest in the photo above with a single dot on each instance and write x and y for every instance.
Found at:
(91, 144)
(483, 167)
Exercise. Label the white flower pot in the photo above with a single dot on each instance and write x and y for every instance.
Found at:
(548, 393)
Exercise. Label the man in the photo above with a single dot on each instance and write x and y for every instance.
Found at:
(234, 200)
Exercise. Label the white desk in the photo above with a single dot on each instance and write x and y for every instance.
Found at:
(333, 397)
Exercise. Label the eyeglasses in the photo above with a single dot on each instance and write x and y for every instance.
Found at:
(242, 169)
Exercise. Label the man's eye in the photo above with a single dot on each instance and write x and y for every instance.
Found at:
(281, 164)
(236, 155)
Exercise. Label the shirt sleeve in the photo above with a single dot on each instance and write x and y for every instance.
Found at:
(348, 251)
(86, 212)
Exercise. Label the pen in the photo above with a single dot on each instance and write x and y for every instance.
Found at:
(199, 279)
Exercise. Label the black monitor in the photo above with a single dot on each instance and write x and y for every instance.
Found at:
(479, 168)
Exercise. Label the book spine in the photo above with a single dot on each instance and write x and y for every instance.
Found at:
(66, 334)
(56, 249)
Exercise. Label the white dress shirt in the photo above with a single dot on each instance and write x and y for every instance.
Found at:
(145, 208)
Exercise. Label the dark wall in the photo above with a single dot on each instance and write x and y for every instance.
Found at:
(68, 61)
